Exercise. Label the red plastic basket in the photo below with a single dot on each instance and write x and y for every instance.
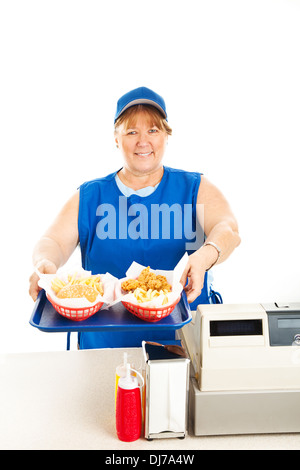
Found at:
(150, 314)
(76, 314)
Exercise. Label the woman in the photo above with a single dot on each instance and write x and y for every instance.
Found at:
(145, 212)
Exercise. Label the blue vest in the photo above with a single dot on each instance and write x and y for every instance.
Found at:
(154, 230)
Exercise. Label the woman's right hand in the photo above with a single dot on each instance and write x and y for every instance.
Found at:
(44, 267)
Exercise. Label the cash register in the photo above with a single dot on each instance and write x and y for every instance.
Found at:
(244, 368)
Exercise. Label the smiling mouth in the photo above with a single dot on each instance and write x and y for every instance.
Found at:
(143, 154)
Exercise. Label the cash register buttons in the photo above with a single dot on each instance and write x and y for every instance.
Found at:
(297, 339)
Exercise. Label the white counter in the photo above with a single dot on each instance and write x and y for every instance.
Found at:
(65, 400)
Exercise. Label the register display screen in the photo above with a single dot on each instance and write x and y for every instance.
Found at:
(235, 327)
(289, 323)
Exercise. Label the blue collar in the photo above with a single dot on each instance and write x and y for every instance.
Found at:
(129, 191)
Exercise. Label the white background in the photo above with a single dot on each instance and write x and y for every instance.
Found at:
(230, 75)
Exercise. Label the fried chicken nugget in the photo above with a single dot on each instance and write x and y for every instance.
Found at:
(147, 280)
(130, 284)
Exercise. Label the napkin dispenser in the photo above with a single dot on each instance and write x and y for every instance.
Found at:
(166, 394)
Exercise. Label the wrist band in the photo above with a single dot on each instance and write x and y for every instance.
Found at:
(218, 250)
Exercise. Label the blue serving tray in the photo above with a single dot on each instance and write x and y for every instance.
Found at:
(46, 318)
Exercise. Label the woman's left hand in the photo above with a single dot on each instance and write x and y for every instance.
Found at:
(192, 278)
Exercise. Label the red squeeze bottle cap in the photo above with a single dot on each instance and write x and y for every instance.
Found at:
(129, 381)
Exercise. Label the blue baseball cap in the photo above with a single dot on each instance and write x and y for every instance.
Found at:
(141, 95)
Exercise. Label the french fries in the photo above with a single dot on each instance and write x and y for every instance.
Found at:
(92, 281)
(143, 295)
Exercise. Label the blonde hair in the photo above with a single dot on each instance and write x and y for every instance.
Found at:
(128, 118)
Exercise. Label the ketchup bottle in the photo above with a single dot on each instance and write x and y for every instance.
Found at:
(128, 408)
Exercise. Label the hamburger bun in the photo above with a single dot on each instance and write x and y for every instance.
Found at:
(76, 291)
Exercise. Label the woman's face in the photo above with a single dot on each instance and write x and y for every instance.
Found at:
(142, 145)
